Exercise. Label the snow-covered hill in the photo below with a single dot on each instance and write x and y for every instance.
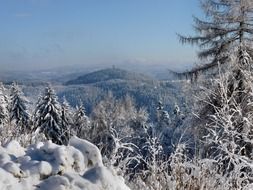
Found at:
(47, 166)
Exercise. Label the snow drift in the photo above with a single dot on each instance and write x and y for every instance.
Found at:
(46, 166)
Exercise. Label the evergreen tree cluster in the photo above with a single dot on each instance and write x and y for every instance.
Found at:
(52, 120)
(124, 134)
(49, 118)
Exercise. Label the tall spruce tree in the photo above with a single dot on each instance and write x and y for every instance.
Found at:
(48, 116)
(66, 121)
(224, 123)
(18, 109)
(81, 123)
(4, 113)
(228, 28)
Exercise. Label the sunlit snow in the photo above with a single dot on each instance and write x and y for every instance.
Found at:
(46, 166)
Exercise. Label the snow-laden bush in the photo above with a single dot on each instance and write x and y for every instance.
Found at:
(47, 166)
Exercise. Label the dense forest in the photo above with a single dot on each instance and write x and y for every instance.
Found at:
(125, 135)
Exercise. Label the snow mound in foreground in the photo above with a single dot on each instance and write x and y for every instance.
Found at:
(46, 166)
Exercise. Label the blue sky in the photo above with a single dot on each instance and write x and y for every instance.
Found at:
(50, 33)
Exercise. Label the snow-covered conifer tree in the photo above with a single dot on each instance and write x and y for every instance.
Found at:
(228, 25)
(163, 117)
(176, 110)
(81, 123)
(178, 117)
(66, 121)
(159, 108)
(4, 113)
(18, 109)
(224, 120)
(48, 116)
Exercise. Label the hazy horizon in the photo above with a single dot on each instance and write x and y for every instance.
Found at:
(48, 34)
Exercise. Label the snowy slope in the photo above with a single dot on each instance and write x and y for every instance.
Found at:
(46, 166)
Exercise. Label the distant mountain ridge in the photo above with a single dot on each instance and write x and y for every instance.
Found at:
(108, 74)
(146, 91)
(93, 87)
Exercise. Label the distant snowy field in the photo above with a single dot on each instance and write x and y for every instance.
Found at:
(46, 166)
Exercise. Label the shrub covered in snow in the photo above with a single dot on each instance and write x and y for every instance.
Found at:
(51, 166)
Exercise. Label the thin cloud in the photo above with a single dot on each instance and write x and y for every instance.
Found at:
(23, 15)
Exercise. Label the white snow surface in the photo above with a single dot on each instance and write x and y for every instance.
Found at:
(46, 166)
